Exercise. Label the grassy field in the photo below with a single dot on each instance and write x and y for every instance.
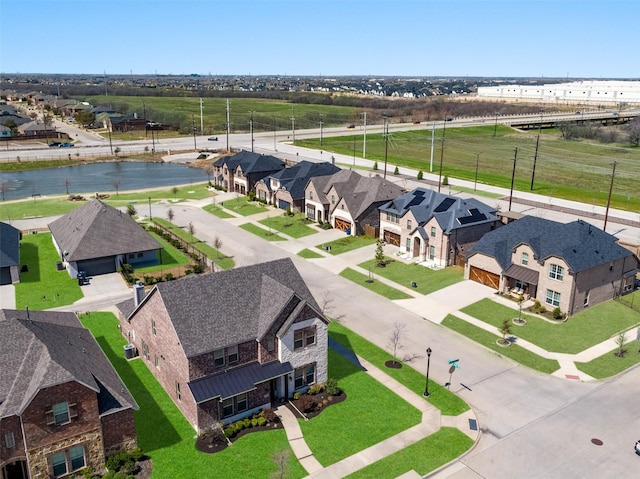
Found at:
(348, 243)
(242, 206)
(579, 332)
(265, 112)
(217, 211)
(294, 226)
(609, 364)
(263, 233)
(375, 286)
(427, 280)
(488, 340)
(43, 286)
(590, 163)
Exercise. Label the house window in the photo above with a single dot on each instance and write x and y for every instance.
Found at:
(304, 376)
(232, 354)
(556, 272)
(59, 464)
(304, 337)
(333, 199)
(552, 298)
(178, 392)
(241, 402)
(271, 344)
(145, 350)
(132, 255)
(433, 231)
(432, 252)
(157, 362)
(408, 224)
(9, 440)
(227, 407)
(140, 255)
(218, 357)
(586, 298)
(153, 327)
(408, 245)
(311, 195)
(524, 260)
(76, 455)
(61, 414)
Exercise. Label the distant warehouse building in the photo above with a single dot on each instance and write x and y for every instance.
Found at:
(587, 91)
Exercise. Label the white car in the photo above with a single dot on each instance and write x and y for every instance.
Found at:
(636, 448)
(213, 138)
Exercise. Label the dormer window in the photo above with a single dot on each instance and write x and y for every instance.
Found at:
(524, 259)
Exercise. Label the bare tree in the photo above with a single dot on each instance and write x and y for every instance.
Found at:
(191, 229)
(217, 244)
(505, 329)
(4, 187)
(208, 169)
(620, 340)
(170, 215)
(174, 190)
(395, 341)
(116, 182)
(117, 150)
(67, 182)
(281, 458)
(633, 131)
(131, 210)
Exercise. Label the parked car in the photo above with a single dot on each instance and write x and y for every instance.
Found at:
(54, 144)
(417, 122)
(351, 127)
(636, 448)
(213, 138)
(65, 145)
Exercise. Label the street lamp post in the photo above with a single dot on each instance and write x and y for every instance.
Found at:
(475, 181)
(426, 387)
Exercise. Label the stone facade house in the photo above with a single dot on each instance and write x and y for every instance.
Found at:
(241, 172)
(349, 201)
(9, 254)
(97, 239)
(228, 344)
(570, 266)
(286, 188)
(62, 405)
(434, 227)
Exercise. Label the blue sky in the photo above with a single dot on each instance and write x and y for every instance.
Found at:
(543, 38)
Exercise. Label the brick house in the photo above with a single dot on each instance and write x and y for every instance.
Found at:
(286, 188)
(62, 405)
(350, 201)
(9, 254)
(434, 227)
(570, 266)
(129, 122)
(228, 344)
(241, 172)
(98, 239)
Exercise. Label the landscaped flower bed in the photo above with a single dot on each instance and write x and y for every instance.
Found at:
(317, 399)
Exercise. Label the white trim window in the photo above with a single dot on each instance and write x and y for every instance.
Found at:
(304, 337)
(524, 259)
(552, 298)
(304, 376)
(61, 413)
(67, 461)
(556, 272)
(9, 440)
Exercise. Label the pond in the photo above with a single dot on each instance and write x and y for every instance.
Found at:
(97, 178)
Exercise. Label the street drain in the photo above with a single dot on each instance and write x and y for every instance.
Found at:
(597, 442)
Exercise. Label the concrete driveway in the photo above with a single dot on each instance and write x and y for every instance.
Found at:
(7, 296)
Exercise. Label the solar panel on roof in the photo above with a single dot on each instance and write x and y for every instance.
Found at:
(444, 205)
(474, 217)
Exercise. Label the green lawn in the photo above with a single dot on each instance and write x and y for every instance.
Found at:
(515, 352)
(170, 257)
(43, 286)
(579, 332)
(309, 254)
(167, 437)
(263, 233)
(448, 403)
(609, 364)
(242, 206)
(348, 243)
(423, 456)
(195, 191)
(38, 208)
(294, 226)
(426, 279)
(209, 251)
(217, 211)
(375, 286)
(346, 428)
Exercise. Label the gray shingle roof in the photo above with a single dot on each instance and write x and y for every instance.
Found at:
(41, 349)
(96, 230)
(581, 245)
(295, 178)
(450, 212)
(251, 162)
(9, 245)
(213, 311)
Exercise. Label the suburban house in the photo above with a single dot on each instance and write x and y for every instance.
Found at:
(434, 227)
(241, 172)
(36, 129)
(97, 238)
(349, 201)
(62, 405)
(227, 344)
(5, 131)
(569, 266)
(286, 187)
(127, 122)
(9, 254)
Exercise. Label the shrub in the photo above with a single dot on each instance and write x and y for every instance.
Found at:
(375, 165)
(229, 432)
(198, 268)
(396, 171)
(251, 195)
(254, 422)
(261, 421)
(247, 422)
(445, 181)
(296, 396)
(270, 415)
(420, 175)
(557, 314)
(316, 388)
(306, 403)
(168, 276)
(332, 387)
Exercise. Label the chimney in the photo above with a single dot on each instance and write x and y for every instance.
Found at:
(138, 293)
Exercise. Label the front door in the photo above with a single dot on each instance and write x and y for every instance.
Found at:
(16, 470)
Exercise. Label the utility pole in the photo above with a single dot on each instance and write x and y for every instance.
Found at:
(275, 148)
(475, 182)
(251, 129)
(444, 128)
(354, 152)
(228, 126)
(513, 176)
(293, 125)
(385, 130)
(433, 139)
(495, 126)
(201, 119)
(110, 144)
(193, 125)
(535, 156)
(364, 140)
(321, 123)
(606, 214)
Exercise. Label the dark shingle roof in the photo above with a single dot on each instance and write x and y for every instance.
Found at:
(41, 349)
(96, 230)
(581, 245)
(251, 162)
(450, 212)
(9, 245)
(295, 178)
(212, 311)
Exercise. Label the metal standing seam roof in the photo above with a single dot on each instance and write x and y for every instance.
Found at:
(236, 381)
(523, 274)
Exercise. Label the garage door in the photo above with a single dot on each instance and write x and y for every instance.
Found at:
(5, 275)
(392, 238)
(283, 205)
(98, 266)
(342, 225)
(484, 277)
